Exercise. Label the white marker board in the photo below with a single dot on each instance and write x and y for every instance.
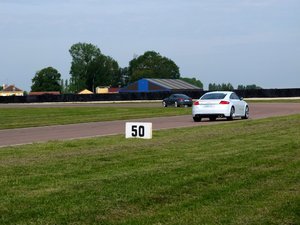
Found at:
(138, 130)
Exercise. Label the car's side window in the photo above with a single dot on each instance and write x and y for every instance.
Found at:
(234, 96)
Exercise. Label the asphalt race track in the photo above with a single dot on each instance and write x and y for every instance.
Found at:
(83, 130)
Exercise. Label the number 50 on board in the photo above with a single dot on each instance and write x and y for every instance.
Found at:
(138, 130)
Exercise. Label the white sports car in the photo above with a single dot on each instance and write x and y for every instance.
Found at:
(217, 104)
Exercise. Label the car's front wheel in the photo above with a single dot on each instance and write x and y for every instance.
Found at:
(176, 104)
(246, 116)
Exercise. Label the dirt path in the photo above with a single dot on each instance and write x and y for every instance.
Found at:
(83, 130)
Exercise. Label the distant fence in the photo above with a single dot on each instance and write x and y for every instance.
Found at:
(269, 93)
(259, 93)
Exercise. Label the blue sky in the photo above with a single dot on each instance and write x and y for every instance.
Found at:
(216, 41)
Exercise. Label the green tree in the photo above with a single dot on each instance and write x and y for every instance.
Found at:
(214, 87)
(227, 87)
(103, 71)
(241, 87)
(220, 87)
(251, 86)
(90, 68)
(124, 76)
(152, 65)
(64, 86)
(47, 79)
(193, 81)
(83, 54)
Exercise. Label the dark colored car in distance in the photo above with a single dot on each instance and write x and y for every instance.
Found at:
(177, 100)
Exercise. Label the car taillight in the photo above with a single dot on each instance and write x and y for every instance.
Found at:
(196, 103)
(224, 102)
(181, 99)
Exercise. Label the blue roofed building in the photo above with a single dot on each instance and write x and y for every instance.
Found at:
(159, 85)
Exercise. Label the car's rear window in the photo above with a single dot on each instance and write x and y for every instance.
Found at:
(181, 96)
(214, 96)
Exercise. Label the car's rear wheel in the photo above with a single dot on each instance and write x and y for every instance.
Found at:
(231, 116)
(176, 104)
(197, 119)
(164, 104)
(246, 116)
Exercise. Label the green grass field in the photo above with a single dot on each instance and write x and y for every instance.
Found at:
(273, 101)
(32, 117)
(240, 172)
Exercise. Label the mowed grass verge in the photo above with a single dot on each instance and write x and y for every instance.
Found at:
(273, 100)
(240, 172)
(33, 117)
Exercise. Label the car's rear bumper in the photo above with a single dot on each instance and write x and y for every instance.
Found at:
(185, 103)
(215, 111)
(209, 115)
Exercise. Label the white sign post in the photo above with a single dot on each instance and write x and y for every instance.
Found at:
(138, 130)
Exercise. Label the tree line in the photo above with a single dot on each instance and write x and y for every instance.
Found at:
(229, 87)
(90, 68)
